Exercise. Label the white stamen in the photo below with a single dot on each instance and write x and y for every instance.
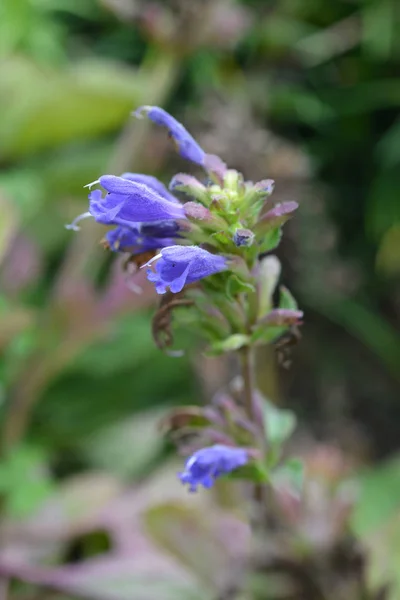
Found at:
(156, 257)
(89, 185)
(74, 225)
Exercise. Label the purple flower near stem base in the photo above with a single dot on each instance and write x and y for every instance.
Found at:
(205, 465)
(187, 146)
(177, 266)
(140, 239)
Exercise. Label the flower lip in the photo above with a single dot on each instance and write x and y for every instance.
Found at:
(207, 464)
(187, 146)
(151, 182)
(128, 202)
(177, 266)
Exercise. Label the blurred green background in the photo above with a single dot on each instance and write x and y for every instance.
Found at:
(306, 92)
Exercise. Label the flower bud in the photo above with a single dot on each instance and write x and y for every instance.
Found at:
(265, 186)
(276, 217)
(190, 186)
(232, 180)
(269, 273)
(197, 212)
(243, 237)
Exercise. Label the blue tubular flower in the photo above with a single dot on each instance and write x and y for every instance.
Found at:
(151, 182)
(180, 265)
(205, 465)
(135, 240)
(128, 203)
(187, 146)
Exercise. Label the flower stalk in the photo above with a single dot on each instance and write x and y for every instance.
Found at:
(205, 258)
(247, 356)
(210, 260)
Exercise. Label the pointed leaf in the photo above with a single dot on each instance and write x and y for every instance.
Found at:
(279, 424)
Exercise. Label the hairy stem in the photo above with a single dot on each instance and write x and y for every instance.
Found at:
(249, 387)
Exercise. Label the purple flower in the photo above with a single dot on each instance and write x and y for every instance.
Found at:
(180, 265)
(205, 465)
(128, 203)
(137, 240)
(187, 147)
(151, 182)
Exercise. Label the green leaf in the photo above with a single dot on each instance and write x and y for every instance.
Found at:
(236, 285)
(376, 521)
(52, 107)
(383, 549)
(379, 497)
(286, 300)
(270, 240)
(24, 481)
(279, 423)
(266, 335)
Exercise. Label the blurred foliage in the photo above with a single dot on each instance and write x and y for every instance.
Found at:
(305, 91)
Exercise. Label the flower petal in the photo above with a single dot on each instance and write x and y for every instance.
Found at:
(151, 182)
(128, 203)
(205, 465)
(187, 146)
(187, 264)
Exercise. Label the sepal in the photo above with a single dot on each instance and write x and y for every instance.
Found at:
(275, 217)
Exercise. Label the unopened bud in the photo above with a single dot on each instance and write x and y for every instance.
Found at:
(276, 217)
(265, 185)
(197, 212)
(194, 210)
(232, 179)
(269, 273)
(243, 237)
(190, 186)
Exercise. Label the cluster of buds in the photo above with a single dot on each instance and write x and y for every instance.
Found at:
(207, 256)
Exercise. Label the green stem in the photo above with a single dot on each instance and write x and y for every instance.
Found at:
(249, 388)
(248, 374)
